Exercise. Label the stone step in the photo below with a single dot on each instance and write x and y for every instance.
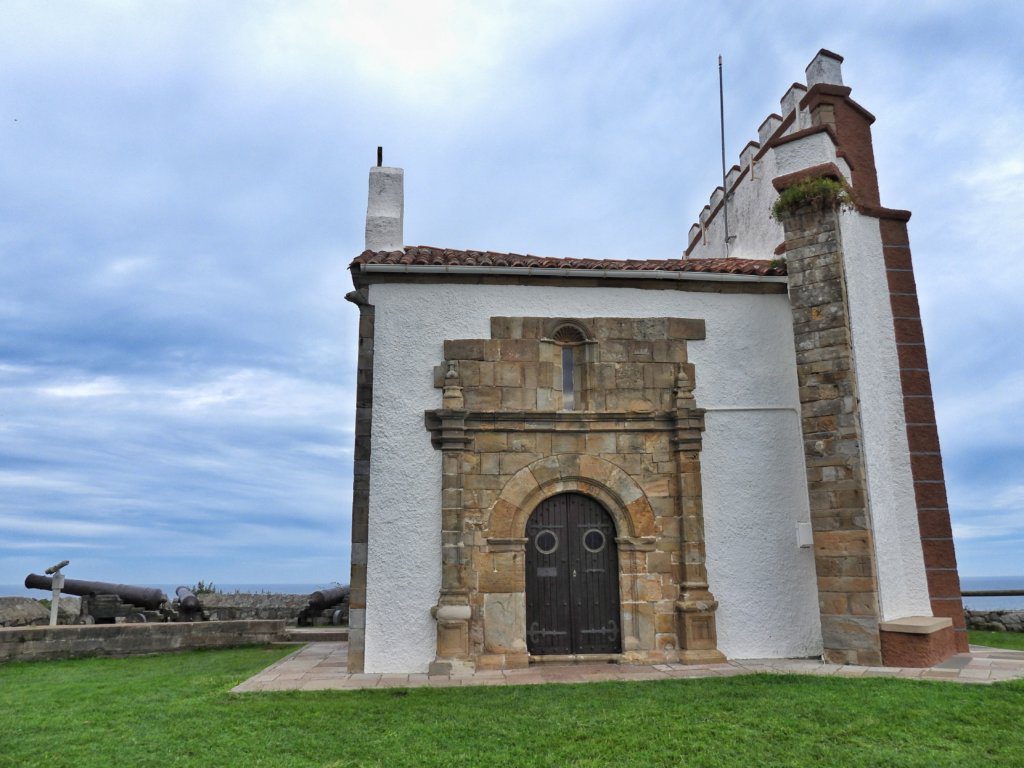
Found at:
(315, 634)
(581, 658)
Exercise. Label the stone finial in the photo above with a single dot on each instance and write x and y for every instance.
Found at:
(452, 398)
(684, 388)
(792, 98)
(705, 214)
(825, 68)
(768, 128)
(385, 209)
(694, 233)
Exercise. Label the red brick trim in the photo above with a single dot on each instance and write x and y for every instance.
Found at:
(802, 134)
(822, 171)
(881, 212)
(821, 92)
(922, 433)
(902, 649)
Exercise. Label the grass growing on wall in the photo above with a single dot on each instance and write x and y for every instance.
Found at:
(819, 193)
(175, 710)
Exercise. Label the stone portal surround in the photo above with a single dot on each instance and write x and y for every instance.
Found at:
(632, 442)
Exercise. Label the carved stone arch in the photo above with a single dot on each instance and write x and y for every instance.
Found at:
(570, 330)
(620, 494)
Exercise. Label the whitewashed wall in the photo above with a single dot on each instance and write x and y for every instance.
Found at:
(752, 197)
(753, 468)
(902, 582)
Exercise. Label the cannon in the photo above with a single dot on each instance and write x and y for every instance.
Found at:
(103, 602)
(187, 600)
(187, 606)
(143, 597)
(326, 598)
(326, 606)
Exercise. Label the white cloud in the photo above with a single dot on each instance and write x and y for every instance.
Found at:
(418, 52)
(103, 386)
(41, 481)
(43, 525)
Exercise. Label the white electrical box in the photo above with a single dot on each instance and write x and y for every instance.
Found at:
(804, 537)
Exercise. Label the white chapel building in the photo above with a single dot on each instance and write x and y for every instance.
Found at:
(727, 454)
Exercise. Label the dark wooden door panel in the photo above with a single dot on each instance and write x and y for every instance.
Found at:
(572, 578)
(595, 571)
(548, 618)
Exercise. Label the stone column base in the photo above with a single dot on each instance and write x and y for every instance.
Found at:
(698, 636)
(452, 641)
(916, 641)
(712, 656)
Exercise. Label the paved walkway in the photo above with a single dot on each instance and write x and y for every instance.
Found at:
(322, 666)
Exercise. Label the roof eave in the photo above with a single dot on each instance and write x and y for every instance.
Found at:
(648, 274)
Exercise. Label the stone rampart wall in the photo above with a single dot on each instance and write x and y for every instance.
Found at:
(234, 606)
(29, 612)
(995, 621)
(66, 642)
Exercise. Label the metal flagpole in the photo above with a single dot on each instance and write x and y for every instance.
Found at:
(721, 116)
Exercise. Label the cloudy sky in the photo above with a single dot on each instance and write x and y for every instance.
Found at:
(184, 184)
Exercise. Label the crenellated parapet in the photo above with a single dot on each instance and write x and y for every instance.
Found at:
(819, 128)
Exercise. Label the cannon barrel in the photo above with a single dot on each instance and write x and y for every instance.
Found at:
(325, 598)
(144, 597)
(187, 599)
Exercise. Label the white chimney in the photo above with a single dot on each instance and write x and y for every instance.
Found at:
(385, 209)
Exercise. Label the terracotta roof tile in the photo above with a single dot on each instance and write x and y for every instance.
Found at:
(426, 255)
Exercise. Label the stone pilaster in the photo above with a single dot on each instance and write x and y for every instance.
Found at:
(453, 611)
(696, 606)
(833, 452)
(361, 481)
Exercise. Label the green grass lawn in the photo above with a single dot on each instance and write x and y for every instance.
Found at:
(175, 710)
(1013, 640)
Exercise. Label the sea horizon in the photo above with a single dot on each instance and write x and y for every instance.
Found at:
(970, 583)
(19, 590)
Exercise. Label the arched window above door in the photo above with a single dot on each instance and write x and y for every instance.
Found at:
(571, 338)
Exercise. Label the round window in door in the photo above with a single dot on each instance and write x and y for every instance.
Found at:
(546, 542)
(594, 541)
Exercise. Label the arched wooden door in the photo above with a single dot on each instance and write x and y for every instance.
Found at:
(572, 578)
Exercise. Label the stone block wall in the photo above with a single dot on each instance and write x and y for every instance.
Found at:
(847, 590)
(626, 365)
(995, 621)
(361, 480)
(66, 642)
(28, 611)
(233, 606)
